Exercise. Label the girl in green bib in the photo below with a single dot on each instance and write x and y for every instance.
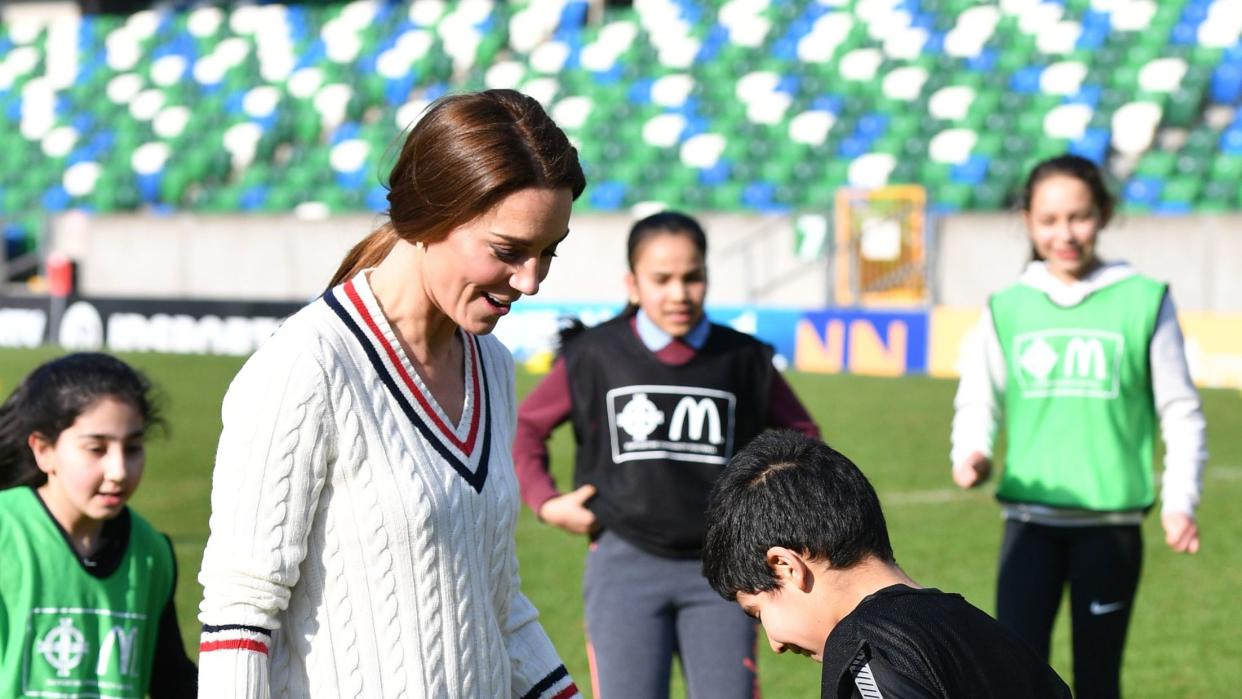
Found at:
(86, 590)
(1080, 360)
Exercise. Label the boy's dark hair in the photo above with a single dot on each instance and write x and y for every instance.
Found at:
(51, 398)
(787, 489)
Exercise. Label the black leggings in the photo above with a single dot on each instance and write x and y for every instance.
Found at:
(1101, 565)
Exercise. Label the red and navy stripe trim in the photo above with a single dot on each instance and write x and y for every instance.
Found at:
(556, 685)
(255, 639)
(437, 433)
(364, 313)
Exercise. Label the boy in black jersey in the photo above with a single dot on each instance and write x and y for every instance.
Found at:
(796, 536)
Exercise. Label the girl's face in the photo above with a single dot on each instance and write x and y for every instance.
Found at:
(1064, 222)
(475, 273)
(95, 464)
(669, 282)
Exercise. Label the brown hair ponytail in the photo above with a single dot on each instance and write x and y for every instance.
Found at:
(467, 153)
(368, 252)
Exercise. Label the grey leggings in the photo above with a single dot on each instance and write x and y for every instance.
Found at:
(642, 608)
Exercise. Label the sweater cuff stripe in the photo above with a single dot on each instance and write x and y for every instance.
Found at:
(556, 685)
(234, 637)
(234, 644)
(208, 628)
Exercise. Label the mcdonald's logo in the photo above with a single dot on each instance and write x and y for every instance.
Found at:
(1069, 362)
(696, 413)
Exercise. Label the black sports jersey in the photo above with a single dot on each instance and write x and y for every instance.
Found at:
(903, 642)
(653, 437)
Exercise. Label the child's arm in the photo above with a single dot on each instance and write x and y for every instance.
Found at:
(547, 406)
(1183, 428)
(785, 411)
(878, 678)
(271, 465)
(173, 674)
(978, 403)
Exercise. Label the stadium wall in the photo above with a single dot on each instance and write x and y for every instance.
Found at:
(752, 257)
(285, 258)
(184, 285)
(1198, 256)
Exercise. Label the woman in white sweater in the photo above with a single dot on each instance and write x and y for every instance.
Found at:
(363, 500)
(1083, 361)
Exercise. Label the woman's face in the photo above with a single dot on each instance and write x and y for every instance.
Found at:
(479, 269)
(94, 465)
(669, 282)
(1064, 222)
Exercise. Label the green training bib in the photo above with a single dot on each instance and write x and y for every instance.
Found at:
(1079, 411)
(63, 632)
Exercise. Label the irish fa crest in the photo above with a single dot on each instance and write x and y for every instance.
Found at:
(63, 647)
(640, 417)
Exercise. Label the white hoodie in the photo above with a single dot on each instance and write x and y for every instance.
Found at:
(979, 402)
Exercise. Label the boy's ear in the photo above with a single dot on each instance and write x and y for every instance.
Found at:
(790, 568)
(43, 450)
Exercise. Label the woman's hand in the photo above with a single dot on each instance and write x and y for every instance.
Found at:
(1180, 532)
(569, 511)
(973, 471)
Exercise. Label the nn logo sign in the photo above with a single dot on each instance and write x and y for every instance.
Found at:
(1069, 362)
(682, 423)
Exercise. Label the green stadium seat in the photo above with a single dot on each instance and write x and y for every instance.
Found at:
(656, 96)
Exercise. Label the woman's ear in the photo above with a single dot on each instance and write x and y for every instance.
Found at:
(790, 568)
(44, 452)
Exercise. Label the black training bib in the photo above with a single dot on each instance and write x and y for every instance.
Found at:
(653, 437)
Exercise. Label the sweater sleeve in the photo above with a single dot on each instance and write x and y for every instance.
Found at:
(978, 405)
(546, 407)
(786, 411)
(537, 670)
(1181, 415)
(270, 468)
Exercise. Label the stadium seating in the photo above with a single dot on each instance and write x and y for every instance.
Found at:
(765, 105)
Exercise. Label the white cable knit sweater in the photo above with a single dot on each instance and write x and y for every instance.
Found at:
(360, 546)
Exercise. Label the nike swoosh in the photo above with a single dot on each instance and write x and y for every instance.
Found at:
(1098, 609)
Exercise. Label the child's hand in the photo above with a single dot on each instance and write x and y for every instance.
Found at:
(973, 471)
(569, 511)
(1180, 532)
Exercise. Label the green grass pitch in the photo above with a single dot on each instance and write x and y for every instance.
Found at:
(1185, 641)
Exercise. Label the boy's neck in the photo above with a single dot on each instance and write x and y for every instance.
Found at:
(842, 590)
